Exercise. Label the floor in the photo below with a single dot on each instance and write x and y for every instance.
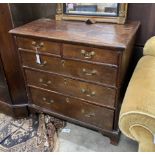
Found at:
(78, 139)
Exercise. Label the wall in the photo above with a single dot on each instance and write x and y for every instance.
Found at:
(24, 13)
(145, 14)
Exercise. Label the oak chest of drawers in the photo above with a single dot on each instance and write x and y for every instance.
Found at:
(76, 71)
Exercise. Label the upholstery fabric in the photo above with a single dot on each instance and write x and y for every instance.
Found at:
(149, 48)
(137, 115)
(144, 137)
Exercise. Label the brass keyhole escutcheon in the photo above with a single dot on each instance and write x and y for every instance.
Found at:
(44, 98)
(82, 111)
(67, 100)
(40, 80)
(65, 81)
(51, 101)
(63, 63)
(49, 82)
(34, 43)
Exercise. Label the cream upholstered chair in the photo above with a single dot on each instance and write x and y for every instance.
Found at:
(137, 115)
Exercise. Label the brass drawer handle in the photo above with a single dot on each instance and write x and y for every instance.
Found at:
(44, 83)
(90, 114)
(87, 55)
(34, 43)
(47, 102)
(42, 64)
(89, 73)
(41, 44)
(44, 98)
(67, 100)
(88, 92)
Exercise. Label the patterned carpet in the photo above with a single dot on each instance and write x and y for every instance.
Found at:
(37, 133)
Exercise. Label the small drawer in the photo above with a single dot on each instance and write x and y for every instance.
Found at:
(73, 108)
(90, 54)
(41, 45)
(90, 92)
(100, 74)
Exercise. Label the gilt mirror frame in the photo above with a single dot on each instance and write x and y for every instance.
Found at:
(119, 19)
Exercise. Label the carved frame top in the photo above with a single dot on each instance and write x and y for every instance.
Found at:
(120, 19)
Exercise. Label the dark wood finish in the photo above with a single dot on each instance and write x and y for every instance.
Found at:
(2, 76)
(14, 82)
(6, 108)
(92, 93)
(113, 135)
(42, 46)
(80, 32)
(23, 13)
(10, 58)
(62, 85)
(143, 12)
(74, 108)
(4, 92)
(90, 54)
(91, 72)
(5, 99)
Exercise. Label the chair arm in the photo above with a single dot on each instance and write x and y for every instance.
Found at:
(149, 48)
(137, 113)
(139, 127)
(144, 136)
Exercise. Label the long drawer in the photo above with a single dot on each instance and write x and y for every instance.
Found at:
(101, 74)
(91, 92)
(74, 108)
(90, 54)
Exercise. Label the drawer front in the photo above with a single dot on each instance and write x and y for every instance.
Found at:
(93, 93)
(41, 45)
(74, 108)
(95, 73)
(90, 54)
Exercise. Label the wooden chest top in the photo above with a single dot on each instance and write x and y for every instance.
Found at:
(99, 34)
